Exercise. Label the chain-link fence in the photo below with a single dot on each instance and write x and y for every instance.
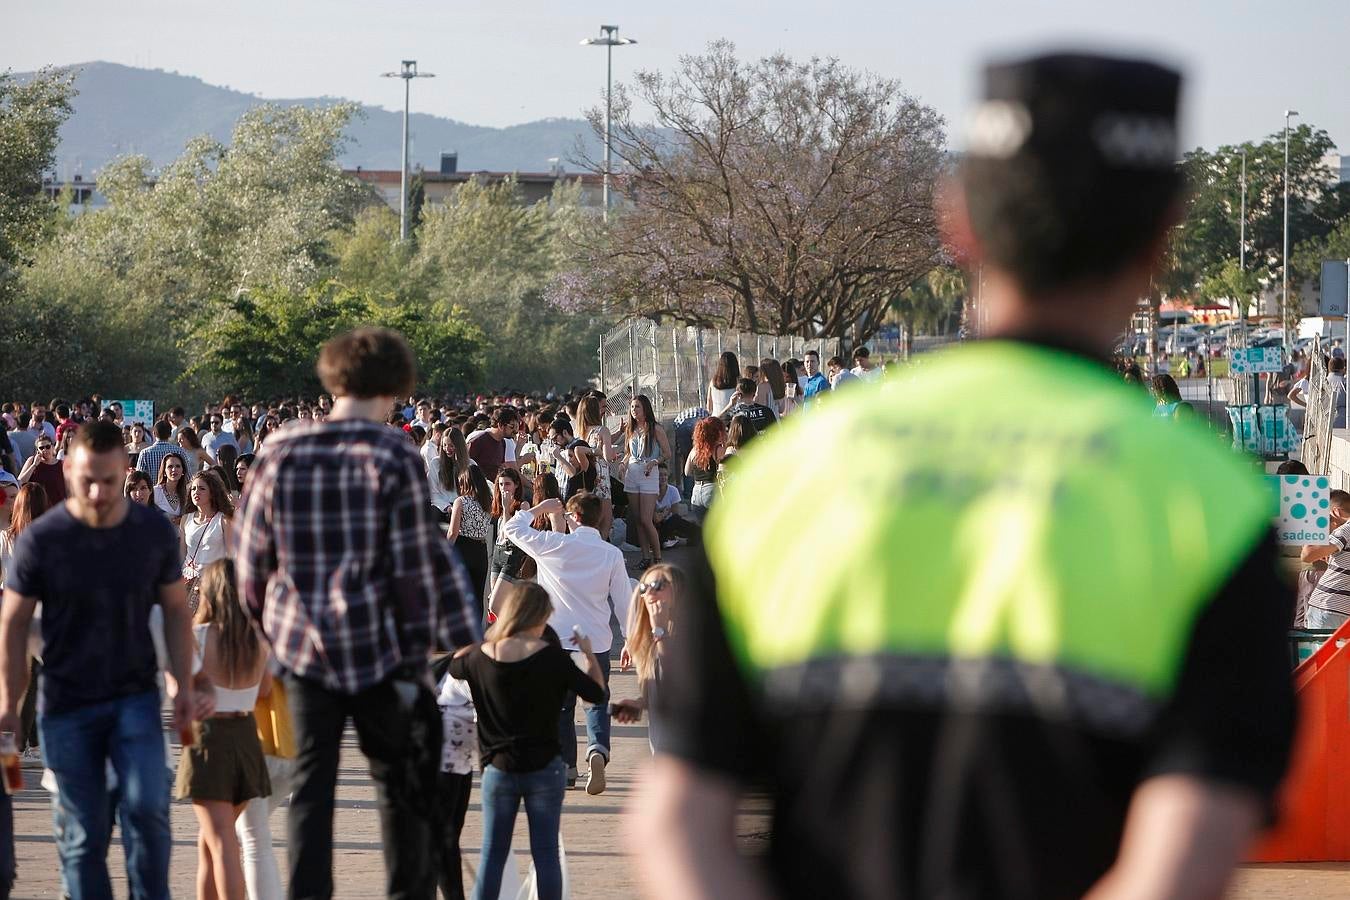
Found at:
(672, 364)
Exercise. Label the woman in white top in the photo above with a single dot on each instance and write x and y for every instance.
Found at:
(192, 449)
(222, 769)
(772, 391)
(206, 529)
(591, 429)
(443, 471)
(722, 388)
(138, 440)
(647, 448)
(171, 488)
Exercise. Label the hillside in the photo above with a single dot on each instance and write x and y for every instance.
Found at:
(121, 110)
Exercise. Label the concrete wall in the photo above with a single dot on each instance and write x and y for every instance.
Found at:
(1340, 460)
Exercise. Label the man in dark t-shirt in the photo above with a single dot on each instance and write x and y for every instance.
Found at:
(97, 563)
(759, 415)
(488, 448)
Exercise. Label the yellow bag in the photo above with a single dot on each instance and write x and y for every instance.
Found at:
(273, 715)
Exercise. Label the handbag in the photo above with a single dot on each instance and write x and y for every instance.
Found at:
(192, 574)
(275, 729)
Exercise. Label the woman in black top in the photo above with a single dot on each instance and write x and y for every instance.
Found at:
(518, 682)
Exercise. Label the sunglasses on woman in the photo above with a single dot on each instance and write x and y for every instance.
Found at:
(647, 587)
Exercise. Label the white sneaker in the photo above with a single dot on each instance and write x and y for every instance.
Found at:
(673, 542)
(595, 779)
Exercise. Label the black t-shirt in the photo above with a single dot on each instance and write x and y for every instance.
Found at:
(518, 702)
(922, 799)
(759, 415)
(582, 481)
(96, 587)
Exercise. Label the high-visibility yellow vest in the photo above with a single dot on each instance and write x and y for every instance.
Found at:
(999, 503)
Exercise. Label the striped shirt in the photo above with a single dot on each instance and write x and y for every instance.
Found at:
(339, 557)
(1333, 589)
(149, 459)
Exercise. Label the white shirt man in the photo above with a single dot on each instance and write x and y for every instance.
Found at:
(579, 571)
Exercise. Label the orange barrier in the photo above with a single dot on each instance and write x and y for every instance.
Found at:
(1314, 821)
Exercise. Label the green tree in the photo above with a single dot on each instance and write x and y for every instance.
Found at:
(1208, 236)
(31, 114)
(492, 256)
(1307, 259)
(267, 340)
(1233, 285)
(932, 303)
(372, 259)
(776, 196)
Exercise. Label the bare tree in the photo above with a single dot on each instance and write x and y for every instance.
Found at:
(774, 196)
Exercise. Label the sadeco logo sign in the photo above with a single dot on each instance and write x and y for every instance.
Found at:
(1250, 360)
(1303, 508)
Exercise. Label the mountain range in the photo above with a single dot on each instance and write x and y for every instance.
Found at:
(121, 110)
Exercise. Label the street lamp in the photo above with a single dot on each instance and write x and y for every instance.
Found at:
(1284, 266)
(408, 72)
(1242, 219)
(609, 41)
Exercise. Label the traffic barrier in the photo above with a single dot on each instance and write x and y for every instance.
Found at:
(1314, 819)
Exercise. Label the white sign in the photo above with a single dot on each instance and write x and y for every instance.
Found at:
(134, 411)
(1250, 360)
(1305, 508)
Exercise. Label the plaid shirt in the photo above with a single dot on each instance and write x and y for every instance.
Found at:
(339, 558)
(149, 459)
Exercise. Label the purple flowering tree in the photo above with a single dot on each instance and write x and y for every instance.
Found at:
(771, 196)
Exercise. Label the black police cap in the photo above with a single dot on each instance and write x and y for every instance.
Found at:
(1079, 110)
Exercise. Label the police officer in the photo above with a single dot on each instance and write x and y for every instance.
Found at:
(1032, 645)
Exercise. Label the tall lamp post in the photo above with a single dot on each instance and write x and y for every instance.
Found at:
(609, 40)
(1242, 218)
(407, 72)
(1284, 265)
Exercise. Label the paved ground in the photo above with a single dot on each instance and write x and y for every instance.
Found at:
(592, 827)
(598, 868)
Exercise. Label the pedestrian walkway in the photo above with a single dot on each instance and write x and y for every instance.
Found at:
(592, 828)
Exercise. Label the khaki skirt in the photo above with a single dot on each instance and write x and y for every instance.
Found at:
(225, 764)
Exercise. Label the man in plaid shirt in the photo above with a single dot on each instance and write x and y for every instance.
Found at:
(340, 561)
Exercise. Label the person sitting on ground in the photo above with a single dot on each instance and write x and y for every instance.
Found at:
(672, 523)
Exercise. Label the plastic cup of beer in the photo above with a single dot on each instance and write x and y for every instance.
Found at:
(9, 761)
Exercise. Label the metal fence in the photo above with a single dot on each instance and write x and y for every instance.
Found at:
(672, 364)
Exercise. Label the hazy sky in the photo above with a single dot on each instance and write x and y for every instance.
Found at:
(500, 63)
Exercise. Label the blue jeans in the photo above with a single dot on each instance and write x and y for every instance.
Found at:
(597, 722)
(501, 793)
(77, 746)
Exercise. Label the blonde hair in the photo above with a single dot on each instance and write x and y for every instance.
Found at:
(641, 647)
(237, 642)
(524, 605)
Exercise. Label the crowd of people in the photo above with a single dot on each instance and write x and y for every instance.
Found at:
(538, 495)
(1028, 649)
